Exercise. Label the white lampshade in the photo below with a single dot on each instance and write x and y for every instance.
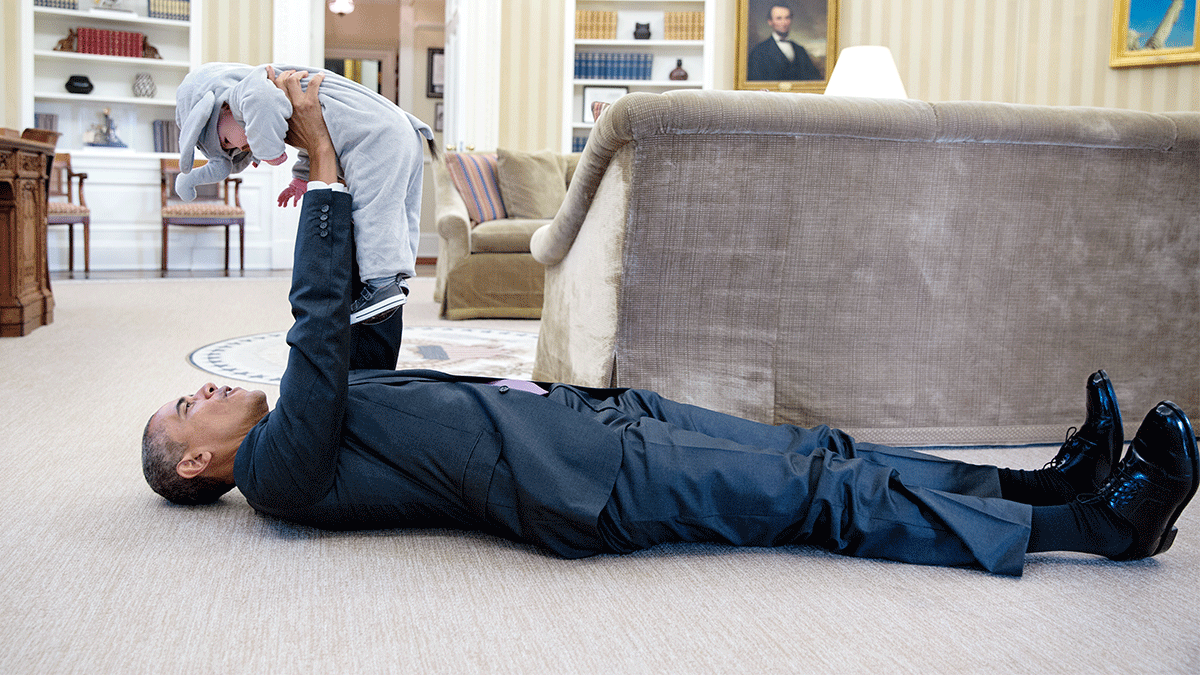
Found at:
(341, 6)
(866, 71)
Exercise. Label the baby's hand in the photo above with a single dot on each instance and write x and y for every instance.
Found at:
(294, 191)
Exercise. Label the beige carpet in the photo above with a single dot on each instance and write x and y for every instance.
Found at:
(99, 575)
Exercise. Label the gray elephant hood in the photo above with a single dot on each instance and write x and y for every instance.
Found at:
(198, 102)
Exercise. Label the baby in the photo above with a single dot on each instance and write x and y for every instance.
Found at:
(236, 116)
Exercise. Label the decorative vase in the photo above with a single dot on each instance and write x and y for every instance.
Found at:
(79, 84)
(679, 73)
(641, 31)
(143, 86)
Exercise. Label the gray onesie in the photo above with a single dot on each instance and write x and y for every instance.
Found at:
(378, 147)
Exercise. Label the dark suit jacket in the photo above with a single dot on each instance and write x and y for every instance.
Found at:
(767, 63)
(384, 448)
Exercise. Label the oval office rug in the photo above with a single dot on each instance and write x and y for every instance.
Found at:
(262, 358)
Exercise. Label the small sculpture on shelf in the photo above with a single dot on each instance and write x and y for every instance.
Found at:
(104, 134)
(114, 5)
(78, 84)
(143, 86)
(67, 44)
(679, 73)
(148, 50)
(641, 31)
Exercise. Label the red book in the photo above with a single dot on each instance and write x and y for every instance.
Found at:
(85, 38)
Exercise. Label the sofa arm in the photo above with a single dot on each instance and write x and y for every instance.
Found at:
(612, 132)
(453, 223)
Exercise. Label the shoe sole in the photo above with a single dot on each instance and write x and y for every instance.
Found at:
(1189, 436)
(373, 310)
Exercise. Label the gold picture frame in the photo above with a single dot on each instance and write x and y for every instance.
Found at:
(813, 27)
(1154, 33)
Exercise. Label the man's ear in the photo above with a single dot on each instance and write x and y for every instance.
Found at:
(193, 464)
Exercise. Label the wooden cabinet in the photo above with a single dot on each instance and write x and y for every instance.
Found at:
(26, 301)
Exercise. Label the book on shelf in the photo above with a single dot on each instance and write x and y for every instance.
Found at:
(166, 136)
(108, 42)
(683, 25)
(613, 66)
(595, 25)
(57, 4)
(47, 121)
(175, 10)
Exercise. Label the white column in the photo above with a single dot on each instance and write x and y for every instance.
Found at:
(472, 93)
(407, 58)
(293, 21)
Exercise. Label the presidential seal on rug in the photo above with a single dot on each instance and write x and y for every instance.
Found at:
(261, 358)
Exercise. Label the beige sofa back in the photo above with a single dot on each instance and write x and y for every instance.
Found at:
(913, 272)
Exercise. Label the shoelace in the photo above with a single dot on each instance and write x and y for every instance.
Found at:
(1122, 485)
(1064, 454)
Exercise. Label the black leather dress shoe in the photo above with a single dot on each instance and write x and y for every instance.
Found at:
(1087, 458)
(1155, 481)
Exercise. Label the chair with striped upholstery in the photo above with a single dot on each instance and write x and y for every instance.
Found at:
(217, 205)
(68, 206)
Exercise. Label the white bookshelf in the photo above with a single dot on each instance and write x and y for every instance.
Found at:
(696, 54)
(45, 72)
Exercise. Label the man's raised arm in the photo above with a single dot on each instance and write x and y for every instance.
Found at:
(289, 460)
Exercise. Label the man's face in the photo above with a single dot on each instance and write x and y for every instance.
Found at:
(781, 20)
(213, 415)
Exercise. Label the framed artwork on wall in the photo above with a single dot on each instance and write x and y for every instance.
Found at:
(435, 72)
(786, 45)
(593, 95)
(1154, 33)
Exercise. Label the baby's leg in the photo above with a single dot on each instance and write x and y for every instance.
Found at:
(387, 227)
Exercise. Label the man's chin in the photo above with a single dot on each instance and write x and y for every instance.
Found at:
(260, 397)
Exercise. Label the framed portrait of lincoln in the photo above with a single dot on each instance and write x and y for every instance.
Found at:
(786, 45)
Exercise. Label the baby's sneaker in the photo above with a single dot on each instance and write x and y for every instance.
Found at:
(376, 304)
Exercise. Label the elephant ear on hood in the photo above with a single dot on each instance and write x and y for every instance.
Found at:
(192, 127)
(215, 171)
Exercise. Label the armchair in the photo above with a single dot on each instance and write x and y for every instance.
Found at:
(221, 206)
(68, 206)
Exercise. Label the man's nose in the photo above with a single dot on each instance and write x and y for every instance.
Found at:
(207, 390)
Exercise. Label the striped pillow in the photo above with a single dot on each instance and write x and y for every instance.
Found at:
(476, 180)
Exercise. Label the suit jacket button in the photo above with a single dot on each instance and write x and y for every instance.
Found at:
(324, 233)
(503, 388)
(325, 208)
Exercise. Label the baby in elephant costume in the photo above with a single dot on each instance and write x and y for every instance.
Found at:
(236, 116)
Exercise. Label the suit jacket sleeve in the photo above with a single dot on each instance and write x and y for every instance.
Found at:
(288, 459)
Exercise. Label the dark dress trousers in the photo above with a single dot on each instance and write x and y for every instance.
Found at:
(768, 63)
(578, 471)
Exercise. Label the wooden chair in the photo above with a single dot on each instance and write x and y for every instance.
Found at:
(71, 209)
(210, 208)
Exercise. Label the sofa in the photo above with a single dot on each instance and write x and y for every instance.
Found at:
(915, 273)
(487, 207)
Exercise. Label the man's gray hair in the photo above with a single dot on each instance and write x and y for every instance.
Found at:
(160, 456)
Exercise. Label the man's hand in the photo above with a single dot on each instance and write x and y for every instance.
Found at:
(306, 127)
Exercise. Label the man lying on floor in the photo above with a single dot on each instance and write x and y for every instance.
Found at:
(354, 444)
